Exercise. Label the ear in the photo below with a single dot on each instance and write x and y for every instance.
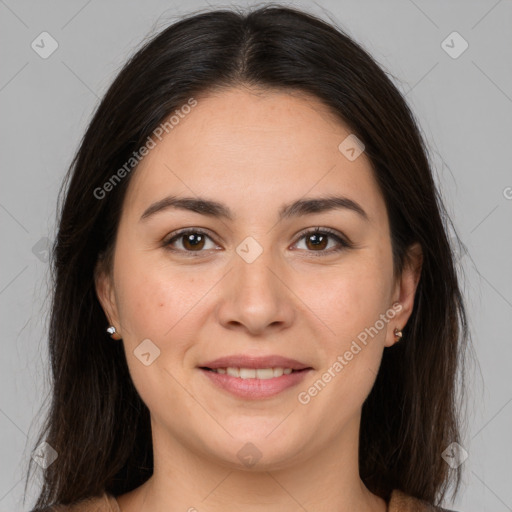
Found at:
(404, 291)
(105, 293)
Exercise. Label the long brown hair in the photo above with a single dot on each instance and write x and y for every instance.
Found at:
(97, 422)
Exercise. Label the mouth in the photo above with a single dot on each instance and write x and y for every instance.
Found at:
(253, 378)
(254, 373)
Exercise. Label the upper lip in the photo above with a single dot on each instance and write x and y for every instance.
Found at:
(245, 361)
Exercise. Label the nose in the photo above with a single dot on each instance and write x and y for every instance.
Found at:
(255, 297)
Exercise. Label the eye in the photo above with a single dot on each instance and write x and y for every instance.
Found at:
(189, 240)
(196, 241)
(317, 240)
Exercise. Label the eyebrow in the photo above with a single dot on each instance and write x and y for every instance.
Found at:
(211, 208)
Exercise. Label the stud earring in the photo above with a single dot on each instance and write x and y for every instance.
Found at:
(113, 333)
(398, 334)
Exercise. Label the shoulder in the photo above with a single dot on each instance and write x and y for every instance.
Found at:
(104, 503)
(401, 502)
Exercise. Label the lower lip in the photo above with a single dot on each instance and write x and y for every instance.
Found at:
(255, 388)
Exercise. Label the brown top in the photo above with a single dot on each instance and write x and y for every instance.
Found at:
(399, 502)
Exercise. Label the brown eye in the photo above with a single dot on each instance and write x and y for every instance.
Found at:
(191, 240)
(316, 241)
(319, 241)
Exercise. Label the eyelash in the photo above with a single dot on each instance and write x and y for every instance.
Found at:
(343, 242)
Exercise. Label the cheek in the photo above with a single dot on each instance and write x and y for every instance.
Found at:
(153, 301)
(353, 297)
(354, 301)
(152, 298)
(145, 303)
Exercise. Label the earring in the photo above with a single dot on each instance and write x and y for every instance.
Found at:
(398, 334)
(113, 333)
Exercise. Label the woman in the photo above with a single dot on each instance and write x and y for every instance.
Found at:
(251, 217)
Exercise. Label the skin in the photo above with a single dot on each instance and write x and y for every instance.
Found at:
(293, 300)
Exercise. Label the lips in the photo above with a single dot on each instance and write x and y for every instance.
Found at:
(261, 362)
(252, 378)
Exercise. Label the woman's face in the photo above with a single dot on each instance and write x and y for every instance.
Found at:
(250, 279)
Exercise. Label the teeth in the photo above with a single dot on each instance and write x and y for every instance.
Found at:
(254, 373)
(247, 373)
(267, 373)
(234, 372)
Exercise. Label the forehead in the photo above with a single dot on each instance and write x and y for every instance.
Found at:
(254, 149)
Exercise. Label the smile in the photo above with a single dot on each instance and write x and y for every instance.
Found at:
(253, 373)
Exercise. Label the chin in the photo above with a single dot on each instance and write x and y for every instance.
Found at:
(261, 451)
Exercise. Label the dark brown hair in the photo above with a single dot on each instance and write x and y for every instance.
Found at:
(97, 422)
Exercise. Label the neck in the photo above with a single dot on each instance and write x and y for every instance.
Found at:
(185, 480)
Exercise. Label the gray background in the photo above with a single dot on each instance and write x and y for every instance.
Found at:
(464, 107)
